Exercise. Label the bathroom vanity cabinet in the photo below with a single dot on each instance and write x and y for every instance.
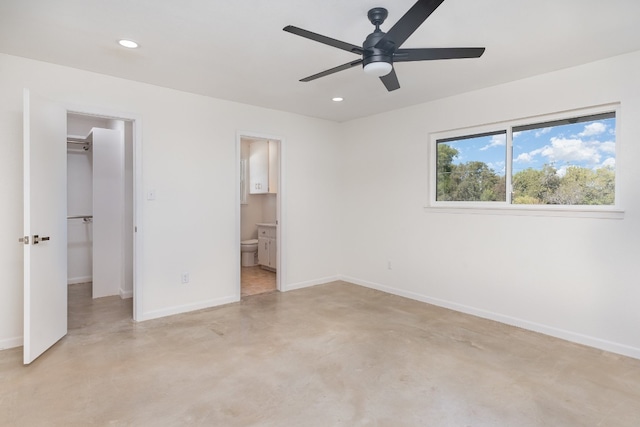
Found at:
(267, 246)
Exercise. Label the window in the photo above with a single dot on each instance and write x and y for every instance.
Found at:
(555, 162)
(467, 171)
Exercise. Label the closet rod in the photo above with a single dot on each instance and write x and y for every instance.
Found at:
(86, 145)
(80, 217)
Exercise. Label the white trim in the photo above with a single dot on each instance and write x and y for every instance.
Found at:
(8, 343)
(566, 335)
(507, 208)
(309, 283)
(528, 210)
(79, 279)
(186, 308)
(125, 294)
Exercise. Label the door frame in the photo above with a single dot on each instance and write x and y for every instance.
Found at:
(280, 211)
(138, 193)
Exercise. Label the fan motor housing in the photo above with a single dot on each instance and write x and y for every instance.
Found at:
(373, 54)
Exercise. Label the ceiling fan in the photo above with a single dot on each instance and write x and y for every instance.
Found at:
(380, 50)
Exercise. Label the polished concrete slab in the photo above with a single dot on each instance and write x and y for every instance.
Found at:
(331, 355)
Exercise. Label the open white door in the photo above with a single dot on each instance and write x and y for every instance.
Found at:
(45, 225)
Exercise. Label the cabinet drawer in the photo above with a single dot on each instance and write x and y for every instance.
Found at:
(267, 232)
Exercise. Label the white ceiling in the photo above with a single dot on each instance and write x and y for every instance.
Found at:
(236, 50)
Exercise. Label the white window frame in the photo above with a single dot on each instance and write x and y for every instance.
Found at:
(507, 208)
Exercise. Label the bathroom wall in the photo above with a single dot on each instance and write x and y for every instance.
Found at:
(269, 207)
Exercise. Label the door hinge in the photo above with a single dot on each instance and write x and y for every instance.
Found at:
(24, 240)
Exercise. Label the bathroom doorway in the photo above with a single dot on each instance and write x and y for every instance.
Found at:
(260, 190)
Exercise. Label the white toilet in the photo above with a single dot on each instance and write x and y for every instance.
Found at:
(249, 252)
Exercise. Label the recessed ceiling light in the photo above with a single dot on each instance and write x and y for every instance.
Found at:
(337, 99)
(128, 43)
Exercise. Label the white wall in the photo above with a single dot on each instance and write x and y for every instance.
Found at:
(571, 277)
(79, 202)
(189, 158)
(108, 211)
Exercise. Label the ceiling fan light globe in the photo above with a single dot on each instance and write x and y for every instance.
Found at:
(378, 69)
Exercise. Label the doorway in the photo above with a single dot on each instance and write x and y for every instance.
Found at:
(260, 200)
(45, 226)
(100, 215)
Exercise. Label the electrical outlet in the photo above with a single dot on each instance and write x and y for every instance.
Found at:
(388, 265)
(185, 277)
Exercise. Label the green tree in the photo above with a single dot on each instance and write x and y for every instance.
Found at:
(446, 154)
(538, 185)
(473, 181)
(582, 186)
(578, 186)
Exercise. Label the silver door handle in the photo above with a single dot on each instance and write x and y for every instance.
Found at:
(37, 239)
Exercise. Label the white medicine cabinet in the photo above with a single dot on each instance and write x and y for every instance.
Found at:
(263, 167)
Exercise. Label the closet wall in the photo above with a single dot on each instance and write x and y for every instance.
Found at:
(80, 199)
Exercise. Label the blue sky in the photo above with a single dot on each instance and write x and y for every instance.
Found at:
(588, 144)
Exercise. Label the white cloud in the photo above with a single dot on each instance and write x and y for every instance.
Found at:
(609, 162)
(496, 141)
(528, 157)
(607, 147)
(524, 157)
(571, 150)
(593, 129)
(542, 132)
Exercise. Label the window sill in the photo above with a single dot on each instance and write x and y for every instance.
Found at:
(519, 210)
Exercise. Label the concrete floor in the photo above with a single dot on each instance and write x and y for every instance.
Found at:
(330, 355)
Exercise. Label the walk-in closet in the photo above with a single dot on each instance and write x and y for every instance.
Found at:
(100, 205)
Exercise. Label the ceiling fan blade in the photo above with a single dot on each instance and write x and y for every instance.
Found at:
(429, 54)
(391, 81)
(324, 39)
(333, 70)
(410, 22)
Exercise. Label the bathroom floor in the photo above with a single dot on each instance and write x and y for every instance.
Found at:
(256, 280)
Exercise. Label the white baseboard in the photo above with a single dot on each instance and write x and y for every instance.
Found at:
(575, 337)
(308, 283)
(79, 279)
(179, 309)
(11, 343)
(126, 294)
